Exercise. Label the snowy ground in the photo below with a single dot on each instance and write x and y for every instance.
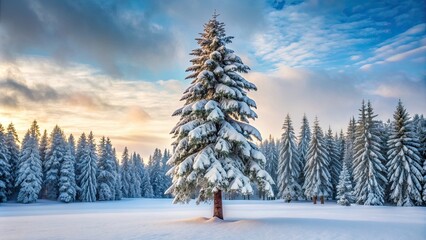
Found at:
(159, 219)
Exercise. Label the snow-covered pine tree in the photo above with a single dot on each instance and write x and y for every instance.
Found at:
(146, 187)
(419, 123)
(43, 147)
(5, 169)
(348, 156)
(155, 173)
(289, 164)
(405, 164)
(67, 184)
(71, 143)
(88, 170)
(303, 146)
(126, 173)
(317, 176)
(270, 149)
(79, 153)
(341, 143)
(368, 170)
(11, 141)
(136, 167)
(117, 172)
(30, 175)
(344, 188)
(55, 156)
(213, 148)
(335, 166)
(106, 171)
(167, 180)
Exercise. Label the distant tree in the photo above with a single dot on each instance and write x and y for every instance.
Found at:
(155, 173)
(214, 151)
(335, 166)
(344, 188)
(55, 156)
(5, 169)
(369, 172)
(146, 187)
(289, 164)
(79, 154)
(270, 149)
(87, 176)
(167, 180)
(317, 177)
(106, 171)
(348, 156)
(67, 184)
(29, 178)
(43, 148)
(405, 164)
(118, 186)
(71, 143)
(126, 174)
(11, 141)
(303, 146)
(136, 175)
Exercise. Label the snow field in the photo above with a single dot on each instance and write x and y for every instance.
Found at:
(159, 219)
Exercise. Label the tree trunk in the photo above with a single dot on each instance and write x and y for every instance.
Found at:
(315, 199)
(217, 209)
(322, 199)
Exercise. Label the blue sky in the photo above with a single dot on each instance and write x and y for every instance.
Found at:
(96, 64)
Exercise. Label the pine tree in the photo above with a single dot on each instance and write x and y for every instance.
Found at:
(344, 188)
(136, 167)
(118, 186)
(79, 154)
(420, 126)
(5, 168)
(289, 164)
(88, 170)
(335, 166)
(341, 143)
(167, 180)
(71, 143)
(44, 144)
(155, 173)
(146, 187)
(11, 141)
(303, 146)
(348, 157)
(30, 175)
(369, 172)
(269, 149)
(67, 184)
(126, 173)
(405, 165)
(106, 171)
(213, 148)
(317, 177)
(55, 156)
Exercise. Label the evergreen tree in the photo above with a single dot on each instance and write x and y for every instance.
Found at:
(79, 154)
(344, 188)
(317, 177)
(5, 168)
(155, 173)
(88, 170)
(146, 187)
(269, 148)
(335, 166)
(106, 171)
(289, 164)
(67, 184)
(405, 165)
(30, 175)
(126, 174)
(167, 180)
(44, 144)
(11, 141)
(55, 156)
(341, 143)
(369, 172)
(136, 168)
(348, 157)
(420, 129)
(71, 143)
(118, 186)
(213, 148)
(303, 146)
